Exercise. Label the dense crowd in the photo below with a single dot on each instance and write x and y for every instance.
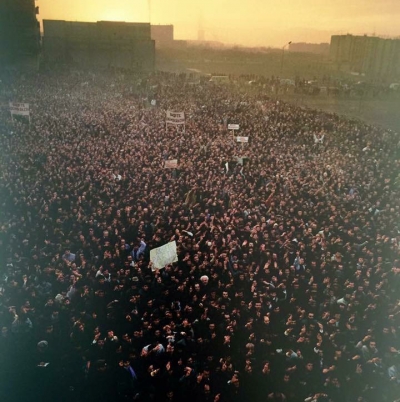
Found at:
(287, 283)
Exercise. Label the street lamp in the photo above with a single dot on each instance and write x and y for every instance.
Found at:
(283, 53)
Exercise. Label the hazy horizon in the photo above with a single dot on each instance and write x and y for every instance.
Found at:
(253, 23)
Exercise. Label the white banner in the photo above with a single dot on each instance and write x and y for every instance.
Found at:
(21, 109)
(164, 255)
(171, 164)
(242, 139)
(176, 118)
(233, 126)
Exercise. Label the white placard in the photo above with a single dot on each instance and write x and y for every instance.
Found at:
(175, 117)
(164, 255)
(171, 164)
(21, 109)
(233, 126)
(242, 139)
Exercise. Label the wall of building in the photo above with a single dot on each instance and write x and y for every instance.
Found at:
(102, 44)
(19, 30)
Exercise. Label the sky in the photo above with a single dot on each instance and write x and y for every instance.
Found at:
(242, 22)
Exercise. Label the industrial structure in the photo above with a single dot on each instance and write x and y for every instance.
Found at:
(99, 44)
(19, 32)
(370, 55)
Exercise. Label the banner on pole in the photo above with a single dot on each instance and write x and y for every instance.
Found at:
(175, 118)
(21, 109)
(242, 139)
(164, 255)
(171, 164)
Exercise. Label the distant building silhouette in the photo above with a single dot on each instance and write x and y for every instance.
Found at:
(99, 44)
(162, 34)
(19, 31)
(316, 48)
(377, 57)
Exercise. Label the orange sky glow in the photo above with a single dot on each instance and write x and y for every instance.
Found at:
(250, 22)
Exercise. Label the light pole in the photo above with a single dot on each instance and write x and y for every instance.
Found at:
(283, 53)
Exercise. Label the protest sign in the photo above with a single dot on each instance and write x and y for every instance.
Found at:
(171, 164)
(164, 255)
(175, 119)
(21, 109)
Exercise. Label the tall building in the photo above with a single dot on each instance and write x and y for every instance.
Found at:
(99, 44)
(162, 34)
(374, 56)
(19, 31)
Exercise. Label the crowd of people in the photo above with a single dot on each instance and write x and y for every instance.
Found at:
(287, 283)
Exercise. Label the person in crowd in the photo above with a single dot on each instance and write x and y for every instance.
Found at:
(287, 282)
